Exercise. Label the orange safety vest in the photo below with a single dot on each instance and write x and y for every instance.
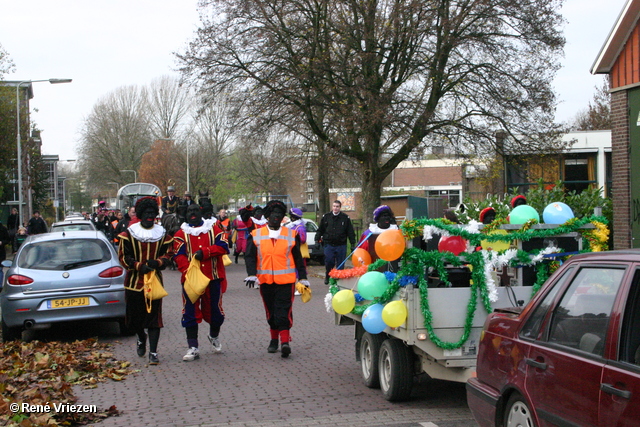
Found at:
(275, 260)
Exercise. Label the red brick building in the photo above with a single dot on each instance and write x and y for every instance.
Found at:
(620, 59)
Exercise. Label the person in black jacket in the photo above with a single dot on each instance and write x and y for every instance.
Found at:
(13, 223)
(4, 240)
(36, 224)
(335, 228)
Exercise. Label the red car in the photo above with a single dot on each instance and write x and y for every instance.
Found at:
(571, 357)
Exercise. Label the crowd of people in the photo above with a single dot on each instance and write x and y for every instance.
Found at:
(274, 247)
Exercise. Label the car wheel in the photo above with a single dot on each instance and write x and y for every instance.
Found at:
(10, 334)
(518, 413)
(124, 331)
(396, 370)
(369, 354)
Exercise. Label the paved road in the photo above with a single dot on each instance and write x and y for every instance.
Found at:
(318, 385)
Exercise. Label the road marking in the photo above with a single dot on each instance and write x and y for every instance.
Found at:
(429, 424)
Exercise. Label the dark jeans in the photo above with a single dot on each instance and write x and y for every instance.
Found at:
(333, 257)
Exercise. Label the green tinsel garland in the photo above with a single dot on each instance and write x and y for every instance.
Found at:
(415, 262)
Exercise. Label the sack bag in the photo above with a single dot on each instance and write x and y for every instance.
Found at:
(152, 289)
(226, 260)
(305, 292)
(304, 250)
(195, 281)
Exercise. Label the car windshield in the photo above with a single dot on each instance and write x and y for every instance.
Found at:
(63, 254)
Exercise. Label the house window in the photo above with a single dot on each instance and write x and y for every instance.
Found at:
(450, 197)
(309, 186)
(310, 198)
(579, 172)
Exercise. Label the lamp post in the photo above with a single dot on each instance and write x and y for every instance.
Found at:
(135, 174)
(64, 194)
(19, 142)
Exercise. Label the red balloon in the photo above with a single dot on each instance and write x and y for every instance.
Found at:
(454, 244)
(360, 254)
(390, 245)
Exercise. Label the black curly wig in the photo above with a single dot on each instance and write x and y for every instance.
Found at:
(146, 203)
(273, 205)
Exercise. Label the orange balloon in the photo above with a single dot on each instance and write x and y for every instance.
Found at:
(390, 245)
(360, 254)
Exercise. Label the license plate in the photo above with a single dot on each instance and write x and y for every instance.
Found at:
(68, 302)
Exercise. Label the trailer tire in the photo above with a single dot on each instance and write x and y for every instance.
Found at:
(369, 354)
(396, 370)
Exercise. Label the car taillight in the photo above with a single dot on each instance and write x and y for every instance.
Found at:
(112, 272)
(18, 279)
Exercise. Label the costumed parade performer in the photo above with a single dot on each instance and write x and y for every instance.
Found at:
(274, 263)
(144, 247)
(239, 237)
(205, 241)
(383, 220)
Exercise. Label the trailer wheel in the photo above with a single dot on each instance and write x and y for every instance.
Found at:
(396, 370)
(369, 354)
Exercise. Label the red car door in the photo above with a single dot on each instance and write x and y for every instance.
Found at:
(620, 390)
(564, 369)
(620, 387)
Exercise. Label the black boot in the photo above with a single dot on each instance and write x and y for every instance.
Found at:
(273, 346)
(285, 349)
(141, 345)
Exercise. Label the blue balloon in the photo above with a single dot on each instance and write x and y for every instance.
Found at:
(372, 319)
(557, 213)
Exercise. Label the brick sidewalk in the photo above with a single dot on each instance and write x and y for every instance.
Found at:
(319, 384)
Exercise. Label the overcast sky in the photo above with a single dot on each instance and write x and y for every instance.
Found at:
(105, 45)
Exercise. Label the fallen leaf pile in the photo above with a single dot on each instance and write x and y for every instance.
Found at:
(42, 373)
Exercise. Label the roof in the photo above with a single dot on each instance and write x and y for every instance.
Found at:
(618, 37)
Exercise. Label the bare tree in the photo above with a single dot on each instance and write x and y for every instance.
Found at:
(170, 107)
(597, 116)
(265, 162)
(211, 142)
(115, 136)
(374, 79)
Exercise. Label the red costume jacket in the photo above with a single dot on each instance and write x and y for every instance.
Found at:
(209, 238)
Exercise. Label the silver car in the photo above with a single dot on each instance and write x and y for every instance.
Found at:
(60, 277)
(75, 224)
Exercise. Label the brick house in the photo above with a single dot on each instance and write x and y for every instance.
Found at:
(619, 57)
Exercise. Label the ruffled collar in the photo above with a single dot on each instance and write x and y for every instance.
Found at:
(261, 221)
(206, 226)
(146, 235)
(374, 229)
(295, 223)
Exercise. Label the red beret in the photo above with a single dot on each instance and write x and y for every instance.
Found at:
(484, 211)
(518, 197)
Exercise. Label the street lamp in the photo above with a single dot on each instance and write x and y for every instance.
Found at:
(19, 142)
(135, 174)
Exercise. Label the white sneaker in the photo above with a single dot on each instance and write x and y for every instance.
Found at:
(192, 354)
(296, 293)
(215, 342)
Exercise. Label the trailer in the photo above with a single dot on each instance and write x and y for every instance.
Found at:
(130, 193)
(445, 315)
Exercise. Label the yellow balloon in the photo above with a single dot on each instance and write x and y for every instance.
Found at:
(394, 314)
(343, 301)
(497, 246)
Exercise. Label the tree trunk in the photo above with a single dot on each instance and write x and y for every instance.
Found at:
(371, 191)
(324, 205)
